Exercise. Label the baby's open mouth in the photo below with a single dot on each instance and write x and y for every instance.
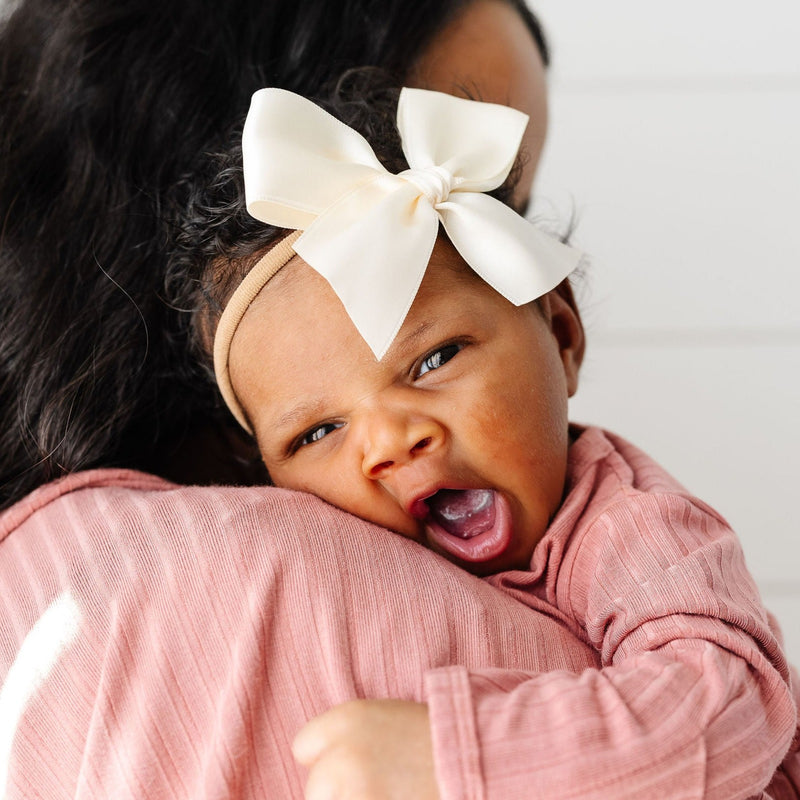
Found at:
(472, 525)
(462, 512)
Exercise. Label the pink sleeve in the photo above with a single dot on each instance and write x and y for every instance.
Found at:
(692, 699)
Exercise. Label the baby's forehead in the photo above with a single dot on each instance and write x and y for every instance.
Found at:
(297, 281)
(298, 307)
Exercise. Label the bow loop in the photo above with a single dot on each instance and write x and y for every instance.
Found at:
(476, 142)
(299, 160)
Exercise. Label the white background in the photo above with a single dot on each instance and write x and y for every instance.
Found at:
(675, 139)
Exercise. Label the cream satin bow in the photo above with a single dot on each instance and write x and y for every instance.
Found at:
(371, 233)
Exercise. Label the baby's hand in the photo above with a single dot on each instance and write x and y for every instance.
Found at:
(370, 750)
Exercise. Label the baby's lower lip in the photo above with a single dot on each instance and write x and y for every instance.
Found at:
(486, 546)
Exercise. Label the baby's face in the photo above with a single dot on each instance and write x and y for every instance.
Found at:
(457, 438)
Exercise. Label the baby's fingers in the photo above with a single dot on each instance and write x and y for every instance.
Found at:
(331, 746)
(370, 750)
(338, 774)
(321, 733)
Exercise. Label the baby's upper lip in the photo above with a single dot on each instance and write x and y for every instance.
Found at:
(418, 508)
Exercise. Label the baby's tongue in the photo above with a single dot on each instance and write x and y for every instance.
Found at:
(463, 512)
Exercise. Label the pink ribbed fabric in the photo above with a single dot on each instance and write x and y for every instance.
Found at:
(168, 642)
(213, 623)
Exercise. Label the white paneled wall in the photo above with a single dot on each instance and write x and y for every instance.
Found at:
(675, 139)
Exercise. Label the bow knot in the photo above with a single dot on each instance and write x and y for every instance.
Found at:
(434, 182)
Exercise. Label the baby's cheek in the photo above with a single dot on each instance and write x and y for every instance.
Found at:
(503, 404)
(490, 426)
(299, 474)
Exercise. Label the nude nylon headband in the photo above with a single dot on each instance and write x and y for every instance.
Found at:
(240, 301)
(370, 233)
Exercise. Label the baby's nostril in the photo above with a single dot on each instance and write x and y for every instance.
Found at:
(421, 444)
(378, 468)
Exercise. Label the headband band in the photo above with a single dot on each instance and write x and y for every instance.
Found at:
(247, 291)
(370, 233)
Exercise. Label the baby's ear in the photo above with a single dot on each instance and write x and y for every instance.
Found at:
(565, 322)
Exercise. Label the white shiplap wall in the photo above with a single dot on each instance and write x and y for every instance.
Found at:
(675, 137)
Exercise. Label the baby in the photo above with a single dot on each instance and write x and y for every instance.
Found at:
(407, 355)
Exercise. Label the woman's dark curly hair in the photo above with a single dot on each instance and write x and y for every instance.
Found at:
(108, 114)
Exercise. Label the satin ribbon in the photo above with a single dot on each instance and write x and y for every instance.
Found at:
(369, 232)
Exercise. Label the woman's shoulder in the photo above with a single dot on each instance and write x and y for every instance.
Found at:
(136, 506)
(97, 481)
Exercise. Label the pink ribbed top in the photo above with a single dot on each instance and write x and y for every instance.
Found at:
(168, 642)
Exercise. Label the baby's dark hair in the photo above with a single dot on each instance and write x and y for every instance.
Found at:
(108, 114)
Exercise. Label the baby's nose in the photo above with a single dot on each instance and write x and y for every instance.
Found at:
(394, 440)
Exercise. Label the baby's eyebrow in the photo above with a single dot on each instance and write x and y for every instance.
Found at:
(298, 416)
(408, 341)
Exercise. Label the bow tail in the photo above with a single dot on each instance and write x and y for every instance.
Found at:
(507, 251)
(373, 247)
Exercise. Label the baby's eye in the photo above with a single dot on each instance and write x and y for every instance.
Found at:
(438, 358)
(320, 432)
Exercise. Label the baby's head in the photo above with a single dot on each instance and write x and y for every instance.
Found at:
(448, 423)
